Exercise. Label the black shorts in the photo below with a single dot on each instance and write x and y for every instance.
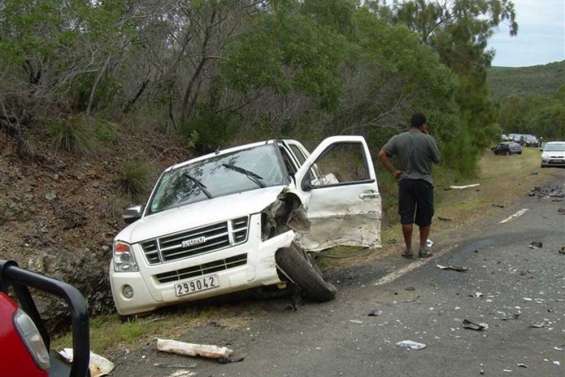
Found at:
(415, 202)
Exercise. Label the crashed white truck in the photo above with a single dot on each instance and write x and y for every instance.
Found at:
(246, 217)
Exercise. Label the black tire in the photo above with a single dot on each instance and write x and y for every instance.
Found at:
(303, 271)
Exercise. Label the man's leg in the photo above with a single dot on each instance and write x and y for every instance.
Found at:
(407, 232)
(406, 209)
(424, 235)
(424, 214)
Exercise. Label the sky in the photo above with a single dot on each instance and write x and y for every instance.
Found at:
(541, 35)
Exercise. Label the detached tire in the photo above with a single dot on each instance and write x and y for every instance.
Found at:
(303, 271)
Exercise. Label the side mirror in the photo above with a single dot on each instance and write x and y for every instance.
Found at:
(132, 214)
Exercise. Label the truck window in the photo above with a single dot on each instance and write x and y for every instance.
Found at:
(287, 160)
(298, 153)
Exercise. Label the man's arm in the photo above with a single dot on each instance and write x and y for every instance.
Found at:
(385, 160)
(435, 155)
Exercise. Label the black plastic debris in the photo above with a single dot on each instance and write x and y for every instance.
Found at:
(375, 313)
(470, 325)
(444, 219)
(498, 205)
(451, 267)
(562, 250)
(536, 245)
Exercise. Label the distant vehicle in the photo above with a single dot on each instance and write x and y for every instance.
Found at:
(504, 137)
(507, 148)
(553, 154)
(524, 139)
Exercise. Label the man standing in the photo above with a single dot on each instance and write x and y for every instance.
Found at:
(413, 152)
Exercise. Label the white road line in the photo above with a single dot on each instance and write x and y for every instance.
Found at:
(411, 267)
(517, 214)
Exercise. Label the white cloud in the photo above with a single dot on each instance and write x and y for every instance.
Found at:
(541, 35)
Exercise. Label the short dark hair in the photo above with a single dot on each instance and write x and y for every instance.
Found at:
(418, 120)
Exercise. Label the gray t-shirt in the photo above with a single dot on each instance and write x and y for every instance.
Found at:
(414, 152)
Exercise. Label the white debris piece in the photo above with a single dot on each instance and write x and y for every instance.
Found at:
(192, 349)
(182, 373)
(411, 345)
(464, 187)
(98, 366)
(556, 363)
(356, 321)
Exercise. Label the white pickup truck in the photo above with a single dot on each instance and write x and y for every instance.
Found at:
(246, 217)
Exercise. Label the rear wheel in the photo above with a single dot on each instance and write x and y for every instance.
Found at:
(300, 267)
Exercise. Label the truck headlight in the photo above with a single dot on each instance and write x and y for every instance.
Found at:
(124, 260)
(32, 339)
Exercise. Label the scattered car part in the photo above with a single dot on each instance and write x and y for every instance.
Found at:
(464, 187)
(375, 313)
(470, 325)
(536, 245)
(301, 269)
(222, 354)
(99, 366)
(452, 268)
(411, 345)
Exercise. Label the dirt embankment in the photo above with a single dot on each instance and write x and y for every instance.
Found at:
(59, 213)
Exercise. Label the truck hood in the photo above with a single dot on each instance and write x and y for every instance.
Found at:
(200, 214)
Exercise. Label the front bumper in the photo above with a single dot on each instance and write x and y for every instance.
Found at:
(553, 162)
(150, 294)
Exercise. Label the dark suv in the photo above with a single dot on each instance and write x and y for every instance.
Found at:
(507, 148)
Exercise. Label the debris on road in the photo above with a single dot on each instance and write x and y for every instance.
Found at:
(538, 325)
(549, 191)
(556, 363)
(411, 345)
(536, 245)
(356, 321)
(562, 250)
(464, 187)
(498, 205)
(175, 366)
(521, 365)
(98, 365)
(375, 313)
(444, 218)
(470, 325)
(482, 370)
(182, 373)
(561, 211)
(477, 295)
(452, 268)
(221, 354)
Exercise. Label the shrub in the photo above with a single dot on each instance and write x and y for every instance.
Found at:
(209, 130)
(134, 178)
(71, 135)
(105, 131)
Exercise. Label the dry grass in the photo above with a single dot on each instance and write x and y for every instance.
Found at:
(108, 333)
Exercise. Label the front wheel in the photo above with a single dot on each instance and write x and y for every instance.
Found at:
(300, 267)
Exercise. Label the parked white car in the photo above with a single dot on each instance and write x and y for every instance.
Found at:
(246, 217)
(553, 154)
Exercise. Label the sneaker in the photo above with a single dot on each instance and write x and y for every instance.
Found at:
(425, 252)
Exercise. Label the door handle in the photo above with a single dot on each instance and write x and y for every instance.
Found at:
(369, 195)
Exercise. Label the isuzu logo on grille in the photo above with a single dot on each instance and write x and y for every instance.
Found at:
(194, 241)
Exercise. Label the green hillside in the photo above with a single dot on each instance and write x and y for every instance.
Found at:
(539, 79)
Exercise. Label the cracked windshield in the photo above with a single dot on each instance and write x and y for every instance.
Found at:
(228, 174)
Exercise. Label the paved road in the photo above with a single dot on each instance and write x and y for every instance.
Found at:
(518, 287)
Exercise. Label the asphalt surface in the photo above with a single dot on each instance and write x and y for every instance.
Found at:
(508, 286)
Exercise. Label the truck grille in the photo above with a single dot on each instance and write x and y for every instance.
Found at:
(196, 241)
(203, 269)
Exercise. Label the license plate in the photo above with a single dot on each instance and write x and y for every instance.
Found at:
(187, 287)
